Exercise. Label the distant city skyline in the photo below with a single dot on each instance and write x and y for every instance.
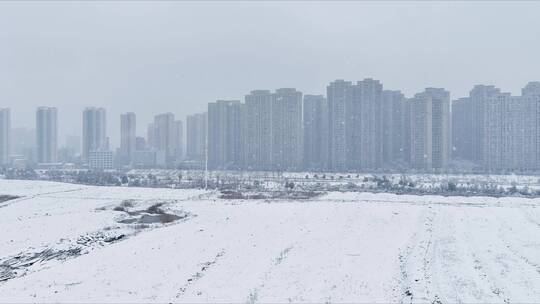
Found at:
(156, 57)
(357, 125)
(114, 133)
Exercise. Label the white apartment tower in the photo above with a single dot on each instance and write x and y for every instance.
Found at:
(224, 134)
(94, 131)
(315, 132)
(336, 93)
(479, 96)
(363, 125)
(128, 135)
(287, 136)
(164, 135)
(512, 131)
(178, 139)
(462, 129)
(46, 135)
(258, 129)
(196, 136)
(392, 124)
(430, 128)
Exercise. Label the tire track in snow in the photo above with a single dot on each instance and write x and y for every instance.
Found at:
(25, 198)
(481, 269)
(509, 267)
(199, 274)
(281, 257)
(414, 262)
(253, 295)
(428, 266)
(525, 263)
(530, 218)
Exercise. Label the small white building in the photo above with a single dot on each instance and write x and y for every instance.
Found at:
(100, 159)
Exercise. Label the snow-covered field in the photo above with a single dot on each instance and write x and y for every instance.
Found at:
(73, 243)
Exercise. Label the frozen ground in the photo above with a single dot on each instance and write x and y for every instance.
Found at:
(72, 243)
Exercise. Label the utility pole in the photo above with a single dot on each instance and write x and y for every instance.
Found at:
(206, 159)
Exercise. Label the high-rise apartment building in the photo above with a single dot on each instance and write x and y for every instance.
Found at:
(128, 135)
(224, 134)
(511, 133)
(420, 130)
(196, 136)
(469, 123)
(336, 93)
(363, 125)
(94, 131)
(178, 139)
(430, 127)
(531, 92)
(393, 125)
(258, 130)
(287, 135)
(5, 132)
(462, 129)
(498, 131)
(164, 135)
(46, 135)
(315, 132)
(272, 124)
(479, 97)
(500, 127)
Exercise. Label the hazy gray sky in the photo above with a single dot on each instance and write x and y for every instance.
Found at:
(152, 57)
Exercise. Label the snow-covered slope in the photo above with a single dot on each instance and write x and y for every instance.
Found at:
(96, 244)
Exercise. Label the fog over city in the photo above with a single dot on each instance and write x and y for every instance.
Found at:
(302, 151)
(156, 57)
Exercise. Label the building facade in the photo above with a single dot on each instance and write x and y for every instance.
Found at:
(511, 134)
(225, 134)
(393, 125)
(258, 130)
(178, 140)
(128, 136)
(336, 93)
(430, 130)
(462, 129)
(94, 131)
(498, 132)
(196, 136)
(315, 132)
(100, 160)
(363, 125)
(479, 96)
(46, 135)
(163, 135)
(287, 135)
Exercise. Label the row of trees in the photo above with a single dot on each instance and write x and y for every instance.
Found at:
(403, 185)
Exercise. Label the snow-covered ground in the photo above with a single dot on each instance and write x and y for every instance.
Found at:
(73, 243)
